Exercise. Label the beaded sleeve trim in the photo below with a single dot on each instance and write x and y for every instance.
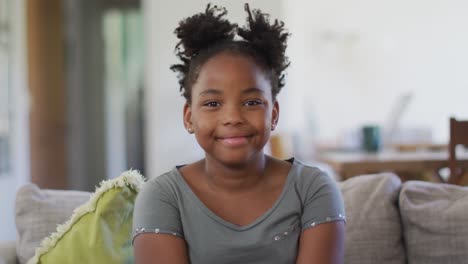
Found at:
(338, 217)
(143, 230)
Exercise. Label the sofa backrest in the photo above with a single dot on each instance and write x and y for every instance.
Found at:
(435, 222)
(37, 214)
(373, 227)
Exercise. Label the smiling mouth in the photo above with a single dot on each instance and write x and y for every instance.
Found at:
(234, 141)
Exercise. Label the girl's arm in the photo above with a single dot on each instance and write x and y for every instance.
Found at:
(160, 248)
(323, 244)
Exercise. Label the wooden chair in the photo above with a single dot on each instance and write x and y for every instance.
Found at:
(458, 136)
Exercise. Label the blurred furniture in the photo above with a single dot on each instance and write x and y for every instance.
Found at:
(409, 165)
(280, 146)
(458, 136)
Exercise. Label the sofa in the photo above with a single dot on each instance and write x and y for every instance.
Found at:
(387, 221)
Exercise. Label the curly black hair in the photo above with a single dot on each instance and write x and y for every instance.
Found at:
(207, 34)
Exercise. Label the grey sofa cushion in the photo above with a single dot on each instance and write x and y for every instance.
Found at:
(38, 212)
(8, 252)
(435, 221)
(373, 227)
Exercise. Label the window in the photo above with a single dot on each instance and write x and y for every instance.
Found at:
(123, 38)
(5, 86)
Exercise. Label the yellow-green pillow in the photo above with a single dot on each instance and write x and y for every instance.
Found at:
(100, 230)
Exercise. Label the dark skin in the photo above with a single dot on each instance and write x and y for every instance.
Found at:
(232, 114)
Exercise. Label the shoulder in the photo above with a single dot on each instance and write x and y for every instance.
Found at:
(157, 206)
(309, 176)
(164, 187)
(310, 181)
(320, 196)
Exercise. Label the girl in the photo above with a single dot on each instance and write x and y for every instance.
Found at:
(237, 205)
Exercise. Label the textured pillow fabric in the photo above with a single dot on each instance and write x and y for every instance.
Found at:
(435, 220)
(8, 252)
(37, 214)
(99, 230)
(373, 226)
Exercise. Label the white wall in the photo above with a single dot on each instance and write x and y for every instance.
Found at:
(167, 142)
(352, 59)
(20, 140)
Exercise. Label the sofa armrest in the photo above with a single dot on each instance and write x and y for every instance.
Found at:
(8, 252)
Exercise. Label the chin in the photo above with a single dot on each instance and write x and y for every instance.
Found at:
(237, 159)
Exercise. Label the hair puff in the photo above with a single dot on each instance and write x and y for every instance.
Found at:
(207, 33)
(268, 39)
(197, 33)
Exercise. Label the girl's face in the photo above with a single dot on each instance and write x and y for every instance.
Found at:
(232, 110)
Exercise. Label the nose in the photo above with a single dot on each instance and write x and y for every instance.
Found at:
(232, 115)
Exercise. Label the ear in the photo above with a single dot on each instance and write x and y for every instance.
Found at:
(188, 117)
(275, 115)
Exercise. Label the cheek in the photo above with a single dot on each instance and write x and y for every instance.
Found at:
(202, 122)
(267, 117)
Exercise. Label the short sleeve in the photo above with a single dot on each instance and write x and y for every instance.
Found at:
(156, 210)
(323, 200)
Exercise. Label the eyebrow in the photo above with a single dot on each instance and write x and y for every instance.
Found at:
(253, 90)
(210, 91)
(218, 92)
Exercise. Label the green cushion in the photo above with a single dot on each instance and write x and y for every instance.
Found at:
(100, 230)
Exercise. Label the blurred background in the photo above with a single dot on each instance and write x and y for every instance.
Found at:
(86, 91)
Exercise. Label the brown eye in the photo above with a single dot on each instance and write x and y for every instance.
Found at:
(253, 102)
(212, 104)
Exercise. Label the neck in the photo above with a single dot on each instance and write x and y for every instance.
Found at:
(235, 178)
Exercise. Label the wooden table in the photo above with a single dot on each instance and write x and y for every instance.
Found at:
(407, 165)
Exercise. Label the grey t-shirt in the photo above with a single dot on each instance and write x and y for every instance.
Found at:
(167, 204)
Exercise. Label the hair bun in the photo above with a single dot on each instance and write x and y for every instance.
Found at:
(203, 30)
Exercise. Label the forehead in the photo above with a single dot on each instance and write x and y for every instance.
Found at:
(232, 71)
